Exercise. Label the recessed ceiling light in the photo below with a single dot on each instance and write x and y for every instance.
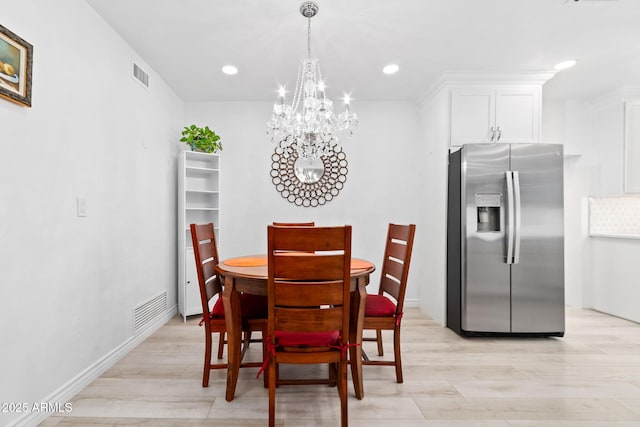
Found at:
(230, 70)
(391, 69)
(565, 64)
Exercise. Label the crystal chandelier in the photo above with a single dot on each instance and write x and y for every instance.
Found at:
(309, 122)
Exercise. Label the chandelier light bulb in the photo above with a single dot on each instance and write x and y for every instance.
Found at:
(321, 86)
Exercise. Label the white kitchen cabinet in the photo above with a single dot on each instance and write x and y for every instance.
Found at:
(495, 114)
(198, 203)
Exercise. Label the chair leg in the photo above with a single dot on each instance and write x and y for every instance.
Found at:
(396, 351)
(265, 355)
(342, 391)
(379, 341)
(333, 374)
(221, 344)
(245, 344)
(272, 393)
(207, 358)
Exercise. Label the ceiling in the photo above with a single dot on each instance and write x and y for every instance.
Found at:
(188, 41)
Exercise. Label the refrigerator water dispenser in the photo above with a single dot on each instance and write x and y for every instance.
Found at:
(488, 212)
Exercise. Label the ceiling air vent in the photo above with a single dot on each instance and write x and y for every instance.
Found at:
(140, 75)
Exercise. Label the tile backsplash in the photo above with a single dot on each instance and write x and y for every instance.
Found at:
(617, 216)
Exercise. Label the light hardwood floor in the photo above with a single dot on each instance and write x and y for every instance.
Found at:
(591, 377)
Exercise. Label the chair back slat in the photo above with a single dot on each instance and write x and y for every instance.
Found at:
(207, 250)
(295, 224)
(291, 294)
(308, 320)
(306, 266)
(391, 287)
(209, 270)
(393, 268)
(397, 249)
(402, 233)
(212, 289)
(311, 239)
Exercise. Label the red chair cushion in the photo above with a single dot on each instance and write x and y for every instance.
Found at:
(218, 309)
(253, 307)
(379, 306)
(307, 339)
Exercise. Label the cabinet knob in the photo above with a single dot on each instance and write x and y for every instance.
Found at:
(492, 134)
(499, 134)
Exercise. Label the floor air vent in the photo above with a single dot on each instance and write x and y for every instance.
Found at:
(140, 75)
(144, 313)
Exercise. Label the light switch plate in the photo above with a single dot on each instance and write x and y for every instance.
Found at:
(81, 203)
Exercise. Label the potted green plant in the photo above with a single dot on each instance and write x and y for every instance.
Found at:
(201, 139)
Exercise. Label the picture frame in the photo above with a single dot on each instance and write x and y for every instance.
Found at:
(16, 64)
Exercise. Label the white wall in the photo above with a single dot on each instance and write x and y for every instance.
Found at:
(571, 123)
(579, 176)
(69, 283)
(434, 118)
(599, 272)
(385, 159)
(608, 147)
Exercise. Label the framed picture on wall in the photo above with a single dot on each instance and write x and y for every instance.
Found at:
(16, 62)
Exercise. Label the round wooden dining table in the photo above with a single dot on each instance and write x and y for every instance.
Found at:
(249, 274)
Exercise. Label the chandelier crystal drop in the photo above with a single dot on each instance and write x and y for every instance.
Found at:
(309, 121)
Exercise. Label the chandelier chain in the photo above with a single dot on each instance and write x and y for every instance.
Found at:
(309, 37)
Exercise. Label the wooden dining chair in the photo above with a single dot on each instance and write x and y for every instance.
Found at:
(384, 313)
(309, 305)
(254, 307)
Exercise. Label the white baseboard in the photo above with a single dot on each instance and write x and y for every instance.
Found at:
(413, 303)
(67, 391)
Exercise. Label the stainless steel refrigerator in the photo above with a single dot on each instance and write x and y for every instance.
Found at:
(505, 240)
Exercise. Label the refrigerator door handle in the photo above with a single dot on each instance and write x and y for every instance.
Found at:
(518, 219)
(510, 216)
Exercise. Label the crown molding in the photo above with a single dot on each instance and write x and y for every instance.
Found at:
(466, 78)
(615, 98)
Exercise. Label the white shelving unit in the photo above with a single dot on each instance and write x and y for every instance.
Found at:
(198, 203)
